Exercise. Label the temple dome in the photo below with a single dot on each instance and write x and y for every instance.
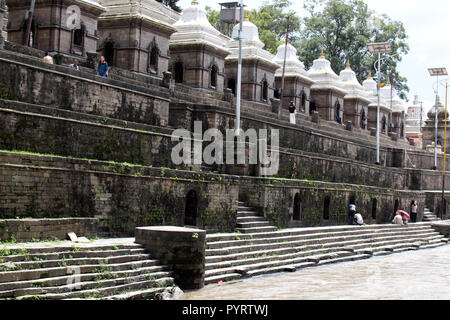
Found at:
(321, 70)
(194, 27)
(441, 110)
(250, 34)
(370, 85)
(324, 76)
(294, 67)
(252, 46)
(351, 84)
(349, 80)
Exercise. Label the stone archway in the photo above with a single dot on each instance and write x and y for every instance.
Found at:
(326, 208)
(297, 216)
(190, 212)
(178, 71)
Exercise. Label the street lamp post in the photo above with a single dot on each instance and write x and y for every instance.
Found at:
(436, 72)
(379, 48)
(239, 75)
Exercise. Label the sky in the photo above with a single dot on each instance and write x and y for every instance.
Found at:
(426, 23)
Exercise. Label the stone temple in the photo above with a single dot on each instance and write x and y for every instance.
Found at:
(92, 155)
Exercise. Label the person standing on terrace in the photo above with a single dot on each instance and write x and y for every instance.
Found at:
(102, 69)
(47, 58)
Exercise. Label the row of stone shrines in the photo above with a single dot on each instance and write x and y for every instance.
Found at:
(147, 37)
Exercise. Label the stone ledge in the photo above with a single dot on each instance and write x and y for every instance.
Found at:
(47, 228)
(183, 249)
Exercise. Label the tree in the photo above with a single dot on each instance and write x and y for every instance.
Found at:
(343, 29)
(271, 20)
(171, 3)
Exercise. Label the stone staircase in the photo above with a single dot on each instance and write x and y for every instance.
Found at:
(428, 215)
(236, 256)
(104, 269)
(249, 222)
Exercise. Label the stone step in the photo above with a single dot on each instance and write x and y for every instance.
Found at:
(31, 250)
(358, 232)
(223, 277)
(101, 292)
(297, 251)
(256, 224)
(68, 278)
(38, 289)
(300, 231)
(11, 276)
(344, 259)
(256, 229)
(146, 294)
(264, 245)
(243, 214)
(74, 254)
(70, 261)
(277, 263)
(250, 219)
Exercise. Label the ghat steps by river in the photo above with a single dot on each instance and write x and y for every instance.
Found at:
(418, 275)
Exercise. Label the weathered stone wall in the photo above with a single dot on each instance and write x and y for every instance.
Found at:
(293, 88)
(122, 196)
(132, 40)
(198, 60)
(183, 249)
(43, 229)
(442, 227)
(372, 122)
(33, 81)
(276, 199)
(52, 33)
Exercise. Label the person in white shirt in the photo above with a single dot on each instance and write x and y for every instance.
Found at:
(414, 208)
(48, 59)
(398, 219)
(358, 219)
(74, 65)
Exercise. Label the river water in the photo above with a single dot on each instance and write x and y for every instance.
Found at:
(413, 275)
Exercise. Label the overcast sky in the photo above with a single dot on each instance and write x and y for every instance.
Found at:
(427, 25)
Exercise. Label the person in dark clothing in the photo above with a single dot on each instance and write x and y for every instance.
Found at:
(351, 213)
(103, 68)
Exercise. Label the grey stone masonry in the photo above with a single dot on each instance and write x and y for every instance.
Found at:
(183, 249)
(41, 229)
(443, 227)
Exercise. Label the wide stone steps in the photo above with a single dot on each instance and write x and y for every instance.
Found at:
(82, 271)
(308, 231)
(255, 241)
(39, 288)
(302, 250)
(102, 292)
(234, 256)
(70, 278)
(70, 261)
(428, 215)
(248, 221)
(75, 254)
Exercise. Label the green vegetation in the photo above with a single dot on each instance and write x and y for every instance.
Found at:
(104, 273)
(342, 28)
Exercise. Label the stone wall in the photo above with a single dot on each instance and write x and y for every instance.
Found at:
(33, 81)
(123, 196)
(45, 229)
(275, 198)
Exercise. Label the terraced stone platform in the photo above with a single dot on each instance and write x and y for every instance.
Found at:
(235, 256)
(103, 269)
